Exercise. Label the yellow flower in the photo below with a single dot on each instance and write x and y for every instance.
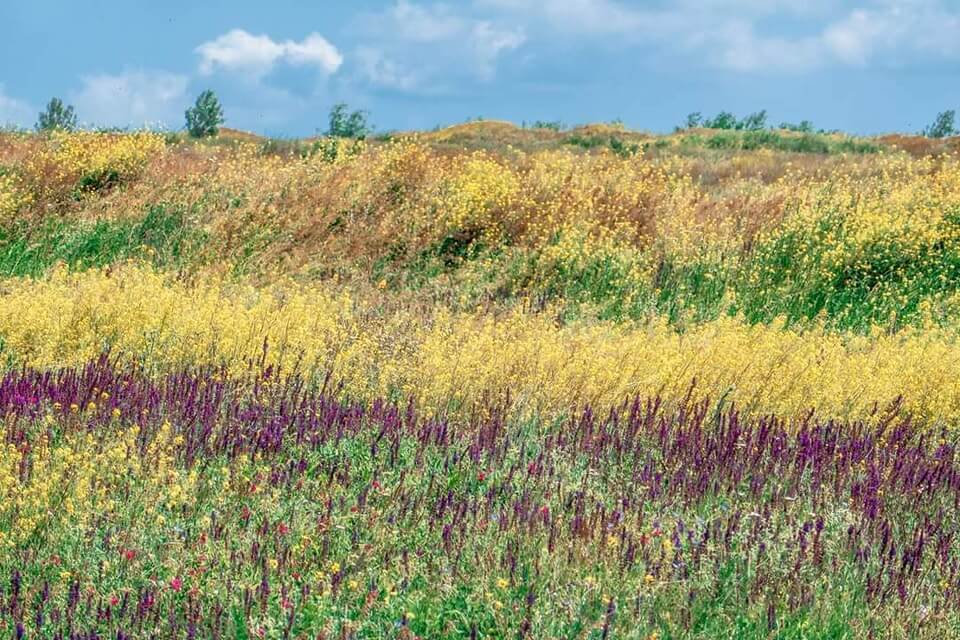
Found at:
(502, 583)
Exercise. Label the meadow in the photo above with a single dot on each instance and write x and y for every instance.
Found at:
(480, 382)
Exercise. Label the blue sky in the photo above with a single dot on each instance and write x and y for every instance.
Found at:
(870, 66)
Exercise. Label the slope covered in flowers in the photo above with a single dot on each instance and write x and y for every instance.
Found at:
(440, 387)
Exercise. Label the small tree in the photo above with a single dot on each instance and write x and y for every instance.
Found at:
(57, 116)
(943, 125)
(205, 116)
(723, 120)
(754, 122)
(694, 120)
(347, 124)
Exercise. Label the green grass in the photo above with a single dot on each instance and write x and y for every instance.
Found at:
(778, 141)
(163, 236)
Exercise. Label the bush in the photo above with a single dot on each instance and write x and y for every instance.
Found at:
(805, 126)
(57, 117)
(723, 120)
(754, 122)
(942, 126)
(346, 124)
(554, 125)
(205, 116)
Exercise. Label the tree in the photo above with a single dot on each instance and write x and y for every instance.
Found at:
(694, 120)
(942, 125)
(57, 116)
(346, 124)
(205, 116)
(723, 120)
(754, 122)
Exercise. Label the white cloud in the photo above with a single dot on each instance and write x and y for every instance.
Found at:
(240, 51)
(14, 111)
(906, 27)
(584, 16)
(383, 72)
(489, 42)
(429, 47)
(132, 98)
(757, 35)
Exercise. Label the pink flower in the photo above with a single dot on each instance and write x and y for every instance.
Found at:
(176, 583)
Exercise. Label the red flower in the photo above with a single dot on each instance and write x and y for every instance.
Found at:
(129, 555)
(176, 584)
(114, 601)
(282, 528)
(481, 476)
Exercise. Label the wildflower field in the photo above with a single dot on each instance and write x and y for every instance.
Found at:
(483, 382)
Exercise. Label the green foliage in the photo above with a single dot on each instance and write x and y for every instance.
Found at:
(615, 144)
(205, 116)
(57, 116)
(727, 121)
(942, 126)
(754, 122)
(723, 120)
(348, 124)
(587, 142)
(766, 139)
(163, 237)
(805, 126)
(553, 125)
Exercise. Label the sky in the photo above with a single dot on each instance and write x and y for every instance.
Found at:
(867, 67)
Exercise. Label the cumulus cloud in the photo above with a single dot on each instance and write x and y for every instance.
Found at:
(427, 47)
(131, 98)
(14, 111)
(256, 55)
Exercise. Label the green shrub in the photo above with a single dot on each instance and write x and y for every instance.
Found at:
(554, 125)
(205, 116)
(942, 126)
(57, 116)
(805, 126)
(347, 124)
